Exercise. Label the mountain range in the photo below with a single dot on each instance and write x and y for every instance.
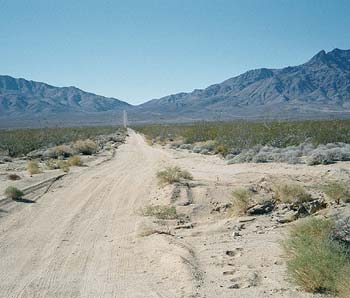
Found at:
(318, 88)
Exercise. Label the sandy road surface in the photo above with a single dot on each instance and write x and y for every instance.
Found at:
(80, 240)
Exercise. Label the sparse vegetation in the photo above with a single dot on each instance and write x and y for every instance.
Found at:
(291, 194)
(173, 174)
(13, 193)
(337, 191)
(161, 212)
(60, 151)
(13, 177)
(86, 147)
(51, 164)
(316, 261)
(33, 167)
(63, 165)
(311, 142)
(22, 141)
(75, 161)
(241, 201)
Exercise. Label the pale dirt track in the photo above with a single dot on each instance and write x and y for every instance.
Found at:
(81, 239)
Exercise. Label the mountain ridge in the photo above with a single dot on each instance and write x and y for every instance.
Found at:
(320, 87)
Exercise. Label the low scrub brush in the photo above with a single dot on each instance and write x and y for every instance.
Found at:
(317, 262)
(173, 174)
(291, 194)
(33, 167)
(13, 193)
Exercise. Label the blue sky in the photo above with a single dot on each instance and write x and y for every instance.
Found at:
(139, 50)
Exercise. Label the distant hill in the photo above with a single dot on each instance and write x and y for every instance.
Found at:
(316, 89)
(19, 97)
(319, 87)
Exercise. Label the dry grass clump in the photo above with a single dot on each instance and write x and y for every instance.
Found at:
(173, 174)
(13, 177)
(316, 261)
(291, 194)
(86, 147)
(13, 193)
(63, 165)
(337, 191)
(241, 201)
(52, 164)
(75, 160)
(160, 212)
(33, 167)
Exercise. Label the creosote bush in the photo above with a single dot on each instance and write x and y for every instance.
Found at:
(86, 147)
(13, 193)
(173, 174)
(291, 194)
(33, 167)
(316, 261)
(241, 201)
(75, 161)
(337, 191)
(160, 212)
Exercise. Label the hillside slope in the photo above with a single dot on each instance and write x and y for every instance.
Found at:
(19, 97)
(321, 85)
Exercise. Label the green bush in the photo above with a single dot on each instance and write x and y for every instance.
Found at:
(173, 174)
(13, 193)
(316, 262)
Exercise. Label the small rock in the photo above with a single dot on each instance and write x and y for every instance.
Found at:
(246, 219)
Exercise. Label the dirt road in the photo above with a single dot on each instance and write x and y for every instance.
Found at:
(82, 239)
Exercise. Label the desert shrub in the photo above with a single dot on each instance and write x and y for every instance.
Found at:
(186, 146)
(291, 194)
(63, 165)
(337, 191)
(75, 160)
(160, 212)
(222, 149)
(173, 174)
(86, 147)
(316, 262)
(261, 157)
(52, 164)
(59, 151)
(33, 167)
(241, 201)
(13, 193)
(22, 141)
(13, 177)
